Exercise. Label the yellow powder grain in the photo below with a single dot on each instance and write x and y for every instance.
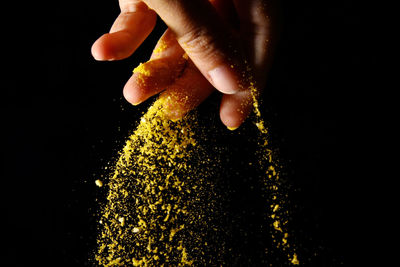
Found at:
(276, 225)
(294, 260)
(99, 183)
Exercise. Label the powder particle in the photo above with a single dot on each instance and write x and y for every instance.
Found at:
(294, 260)
(99, 183)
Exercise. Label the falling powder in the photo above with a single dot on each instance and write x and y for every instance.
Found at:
(164, 206)
(160, 197)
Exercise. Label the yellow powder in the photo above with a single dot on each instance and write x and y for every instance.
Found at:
(160, 47)
(232, 128)
(154, 213)
(99, 183)
(294, 260)
(185, 56)
(142, 69)
(162, 202)
(167, 72)
(278, 197)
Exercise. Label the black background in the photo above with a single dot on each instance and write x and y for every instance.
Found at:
(65, 118)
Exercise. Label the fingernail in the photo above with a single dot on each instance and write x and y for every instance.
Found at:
(232, 128)
(223, 79)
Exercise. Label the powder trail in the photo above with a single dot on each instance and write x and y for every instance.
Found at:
(160, 197)
(164, 206)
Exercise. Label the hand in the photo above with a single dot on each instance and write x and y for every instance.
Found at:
(221, 44)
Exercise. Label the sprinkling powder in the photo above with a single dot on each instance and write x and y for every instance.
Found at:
(164, 206)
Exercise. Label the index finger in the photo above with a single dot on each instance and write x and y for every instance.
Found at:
(206, 39)
(130, 29)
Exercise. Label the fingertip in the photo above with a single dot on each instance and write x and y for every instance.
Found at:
(186, 93)
(132, 92)
(230, 119)
(223, 79)
(235, 109)
(175, 103)
(97, 49)
(114, 46)
(174, 111)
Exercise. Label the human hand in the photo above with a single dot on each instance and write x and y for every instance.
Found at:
(217, 44)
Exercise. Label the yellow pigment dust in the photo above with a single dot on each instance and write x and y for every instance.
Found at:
(277, 198)
(99, 183)
(160, 198)
(164, 208)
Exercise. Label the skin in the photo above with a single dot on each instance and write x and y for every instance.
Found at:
(226, 41)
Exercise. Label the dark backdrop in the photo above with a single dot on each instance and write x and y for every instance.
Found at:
(65, 118)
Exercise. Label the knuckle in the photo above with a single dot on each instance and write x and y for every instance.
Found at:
(200, 42)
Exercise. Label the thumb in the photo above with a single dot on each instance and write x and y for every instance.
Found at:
(206, 39)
